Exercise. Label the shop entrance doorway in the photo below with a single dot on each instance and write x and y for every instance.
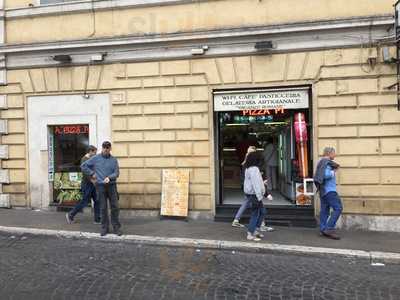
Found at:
(67, 145)
(278, 130)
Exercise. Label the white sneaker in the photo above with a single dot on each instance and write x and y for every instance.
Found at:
(258, 234)
(253, 238)
(270, 198)
(266, 229)
(236, 223)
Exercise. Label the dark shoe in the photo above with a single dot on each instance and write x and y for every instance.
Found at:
(104, 232)
(330, 234)
(69, 219)
(118, 232)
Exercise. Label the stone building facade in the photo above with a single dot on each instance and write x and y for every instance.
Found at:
(142, 56)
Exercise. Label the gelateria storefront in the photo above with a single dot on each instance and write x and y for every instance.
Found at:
(278, 123)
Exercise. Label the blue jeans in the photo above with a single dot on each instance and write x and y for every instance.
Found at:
(88, 192)
(245, 205)
(258, 213)
(327, 220)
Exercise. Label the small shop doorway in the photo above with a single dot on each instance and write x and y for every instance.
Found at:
(278, 124)
(67, 145)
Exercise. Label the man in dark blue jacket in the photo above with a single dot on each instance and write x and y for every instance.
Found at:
(104, 171)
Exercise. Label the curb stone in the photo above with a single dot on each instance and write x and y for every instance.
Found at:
(370, 256)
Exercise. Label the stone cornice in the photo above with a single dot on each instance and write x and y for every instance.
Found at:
(87, 6)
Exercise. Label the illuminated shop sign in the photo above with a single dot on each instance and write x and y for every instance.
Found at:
(263, 112)
(71, 129)
(268, 100)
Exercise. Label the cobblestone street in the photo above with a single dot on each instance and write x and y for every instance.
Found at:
(33, 267)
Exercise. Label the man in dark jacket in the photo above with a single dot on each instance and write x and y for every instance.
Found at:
(104, 170)
(88, 192)
(325, 180)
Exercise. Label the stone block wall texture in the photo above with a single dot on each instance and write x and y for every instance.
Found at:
(162, 118)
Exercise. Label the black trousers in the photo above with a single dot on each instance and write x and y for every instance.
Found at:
(108, 193)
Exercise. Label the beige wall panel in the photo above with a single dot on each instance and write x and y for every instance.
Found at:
(145, 149)
(159, 136)
(65, 79)
(390, 207)
(153, 189)
(18, 200)
(16, 151)
(389, 115)
(348, 161)
(127, 110)
(178, 18)
(191, 108)
(312, 65)
(17, 176)
(193, 162)
(338, 101)
(79, 78)
(145, 175)
(226, 69)
(143, 123)
(191, 80)
(348, 190)
(350, 56)
(127, 136)
(390, 176)
(13, 164)
(199, 189)
(386, 83)
(358, 206)
(354, 86)
(12, 139)
(143, 96)
(380, 161)
(359, 146)
(143, 69)
(326, 88)
(175, 67)
(130, 188)
(200, 121)
(380, 191)
(175, 94)
(192, 135)
(158, 81)
(15, 101)
(130, 162)
(377, 100)
(359, 176)
(275, 64)
(390, 145)
(16, 126)
(177, 149)
(22, 77)
(200, 176)
(379, 130)
(352, 71)
(120, 150)
(296, 65)
(93, 81)
(326, 117)
(51, 79)
(202, 202)
(160, 162)
(12, 114)
(14, 188)
(200, 93)
(119, 123)
(158, 109)
(37, 77)
(337, 131)
(123, 175)
(152, 201)
(358, 116)
(176, 122)
(243, 69)
(201, 148)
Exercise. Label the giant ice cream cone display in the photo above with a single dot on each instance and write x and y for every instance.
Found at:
(300, 128)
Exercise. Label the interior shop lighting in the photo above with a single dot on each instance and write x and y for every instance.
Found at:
(237, 124)
(276, 123)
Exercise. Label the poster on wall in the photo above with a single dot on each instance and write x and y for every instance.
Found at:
(175, 193)
(261, 100)
(303, 197)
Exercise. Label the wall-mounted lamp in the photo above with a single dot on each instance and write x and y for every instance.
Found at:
(263, 46)
(199, 51)
(62, 58)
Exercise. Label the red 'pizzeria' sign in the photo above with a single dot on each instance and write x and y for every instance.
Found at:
(71, 129)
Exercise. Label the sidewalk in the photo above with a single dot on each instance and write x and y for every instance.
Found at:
(203, 233)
